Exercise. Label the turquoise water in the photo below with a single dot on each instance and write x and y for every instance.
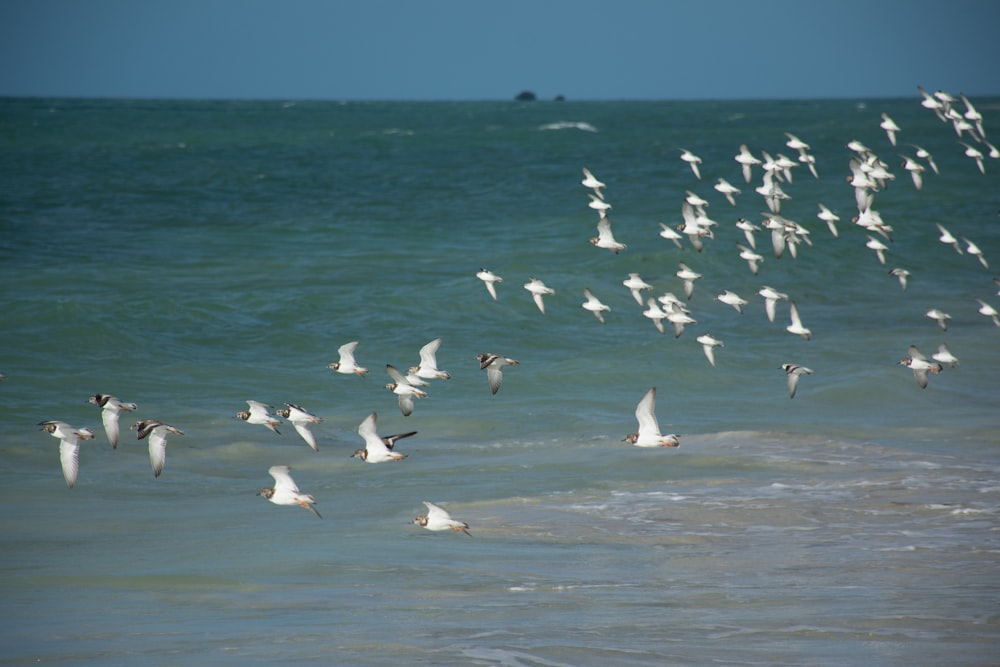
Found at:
(189, 256)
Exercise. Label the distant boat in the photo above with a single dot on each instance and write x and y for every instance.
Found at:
(526, 96)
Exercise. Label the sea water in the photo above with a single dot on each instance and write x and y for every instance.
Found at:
(191, 255)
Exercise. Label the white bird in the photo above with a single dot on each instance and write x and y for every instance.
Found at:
(946, 237)
(598, 204)
(493, 365)
(748, 229)
(111, 409)
(695, 200)
(258, 414)
(656, 314)
(594, 305)
(916, 171)
(693, 160)
(649, 428)
(678, 317)
(490, 279)
(902, 275)
(792, 372)
(636, 285)
(301, 419)
(732, 299)
(670, 234)
(751, 258)
(69, 446)
(404, 390)
(923, 154)
(974, 250)
(975, 154)
(879, 248)
(346, 364)
(795, 143)
(890, 127)
(945, 356)
(746, 160)
(538, 290)
(157, 433)
(708, 344)
(941, 317)
(920, 366)
(989, 311)
(972, 114)
(829, 217)
(437, 518)
(590, 182)
(688, 276)
(810, 161)
(728, 190)
(427, 368)
(796, 326)
(285, 491)
(377, 449)
(605, 238)
(771, 298)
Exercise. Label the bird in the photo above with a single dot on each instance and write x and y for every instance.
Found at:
(300, 419)
(377, 449)
(598, 204)
(258, 414)
(157, 433)
(771, 298)
(678, 317)
(688, 276)
(670, 234)
(69, 446)
(830, 218)
(346, 365)
(427, 368)
(493, 365)
(792, 372)
(918, 363)
(728, 190)
(941, 317)
(902, 274)
(538, 290)
(404, 390)
(752, 258)
(590, 182)
(945, 356)
(649, 428)
(748, 229)
(605, 238)
(796, 326)
(732, 299)
(594, 305)
(746, 160)
(491, 280)
(879, 248)
(975, 251)
(989, 311)
(693, 160)
(285, 491)
(890, 127)
(636, 285)
(947, 238)
(437, 518)
(656, 314)
(975, 154)
(916, 171)
(923, 154)
(708, 344)
(111, 409)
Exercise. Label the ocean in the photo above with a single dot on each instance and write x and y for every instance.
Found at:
(189, 256)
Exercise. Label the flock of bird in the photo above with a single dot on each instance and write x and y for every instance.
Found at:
(869, 175)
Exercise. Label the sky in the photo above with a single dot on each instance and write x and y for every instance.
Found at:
(492, 50)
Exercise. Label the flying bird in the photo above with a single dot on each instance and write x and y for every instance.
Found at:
(111, 409)
(493, 365)
(156, 432)
(437, 518)
(649, 428)
(346, 365)
(301, 419)
(792, 372)
(285, 491)
(258, 414)
(69, 446)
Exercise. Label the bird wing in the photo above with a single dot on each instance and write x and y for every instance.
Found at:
(282, 479)
(346, 352)
(495, 377)
(69, 457)
(110, 419)
(428, 354)
(645, 415)
(307, 435)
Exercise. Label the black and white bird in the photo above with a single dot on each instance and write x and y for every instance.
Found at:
(286, 492)
(437, 518)
(156, 433)
(493, 365)
(301, 419)
(69, 446)
(111, 409)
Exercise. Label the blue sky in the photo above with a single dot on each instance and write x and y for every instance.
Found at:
(474, 50)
